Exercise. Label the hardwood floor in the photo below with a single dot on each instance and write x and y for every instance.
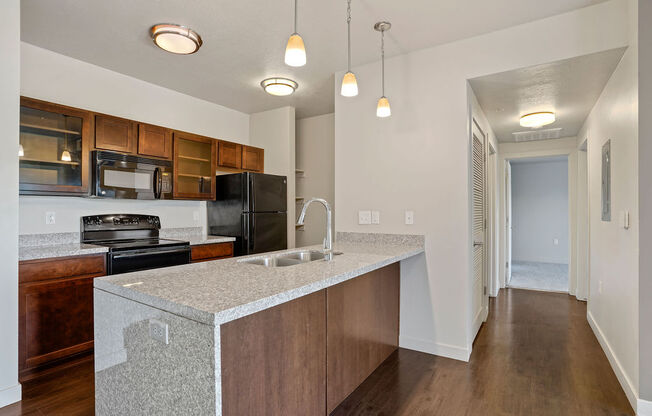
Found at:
(536, 355)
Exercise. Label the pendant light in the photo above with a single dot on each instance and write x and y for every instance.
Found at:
(383, 109)
(21, 151)
(65, 156)
(349, 83)
(295, 52)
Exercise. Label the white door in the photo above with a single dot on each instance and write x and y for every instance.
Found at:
(480, 296)
(508, 223)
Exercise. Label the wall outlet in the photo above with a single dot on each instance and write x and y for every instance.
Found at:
(375, 217)
(600, 287)
(159, 331)
(50, 217)
(555, 241)
(364, 217)
(409, 217)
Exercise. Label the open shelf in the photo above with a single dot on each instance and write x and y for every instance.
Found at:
(198, 159)
(188, 175)
(48, 162)
(52, 129)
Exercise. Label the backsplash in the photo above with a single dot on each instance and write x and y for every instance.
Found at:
(69, 210)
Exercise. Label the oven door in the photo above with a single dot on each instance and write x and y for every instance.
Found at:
(144, 259)
(130, 177)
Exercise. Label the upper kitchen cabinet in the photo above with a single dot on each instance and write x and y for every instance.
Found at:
(113, 133)
(54, 146)
(194, 166)
(154, 141)
(229, 155)
(253, 159)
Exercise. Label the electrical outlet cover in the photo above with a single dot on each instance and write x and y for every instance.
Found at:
(159, 331)
(409, 217)
(50, 218)
(364, 217)
(375, 217)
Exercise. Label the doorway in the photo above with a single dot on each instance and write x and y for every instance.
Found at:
(538, 229)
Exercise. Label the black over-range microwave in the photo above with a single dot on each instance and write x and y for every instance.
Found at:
(130, 177)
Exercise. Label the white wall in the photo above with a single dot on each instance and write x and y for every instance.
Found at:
(614, 285)
(9, 103)
(274, 131)
(540, 211)
(57, 78)
(418, 159)
(315, 155)
(582, 267)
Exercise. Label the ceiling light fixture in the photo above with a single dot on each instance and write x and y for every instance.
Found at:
(536, 120)
(279, 86)
(175, 38)
(349, 83)
(295, 52)
(383, 109)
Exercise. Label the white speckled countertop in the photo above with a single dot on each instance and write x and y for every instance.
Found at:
(220, 291)
(43, 246)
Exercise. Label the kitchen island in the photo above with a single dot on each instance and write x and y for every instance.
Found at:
(228, 337)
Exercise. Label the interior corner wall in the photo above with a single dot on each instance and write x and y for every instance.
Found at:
(540, 212)
(418, 159)
(57, 78)
(10, 390)
(613, 301)
(645, 200)
(275, 131)
(315, 156)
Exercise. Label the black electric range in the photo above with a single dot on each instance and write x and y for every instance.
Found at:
(133, 242)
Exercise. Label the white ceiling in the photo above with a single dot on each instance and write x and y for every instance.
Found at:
(543, 159)
(244, 40)
(569, 88)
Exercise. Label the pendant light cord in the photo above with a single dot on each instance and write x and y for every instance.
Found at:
(382, 58)
(348, 26)
(295, 16)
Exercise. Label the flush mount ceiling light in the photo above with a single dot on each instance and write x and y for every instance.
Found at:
(349, 83)
(175, 38)
(295, 52)
(279, 86)
(536, 120)
(383, 109)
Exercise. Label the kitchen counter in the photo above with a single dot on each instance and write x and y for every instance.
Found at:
(58, 250)
(221, 291)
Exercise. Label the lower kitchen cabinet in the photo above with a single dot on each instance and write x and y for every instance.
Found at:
(55, 311)
(304, 357)
(207, 252)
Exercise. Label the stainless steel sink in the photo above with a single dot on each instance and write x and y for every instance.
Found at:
(288, 259)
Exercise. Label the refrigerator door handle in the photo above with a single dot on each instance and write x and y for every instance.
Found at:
(253, 232)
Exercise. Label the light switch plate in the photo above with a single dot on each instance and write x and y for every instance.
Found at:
(375, 217)
(364, 217)
(409, 217)
(50, 218)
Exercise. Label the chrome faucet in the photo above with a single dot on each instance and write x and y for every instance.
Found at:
(328, 241)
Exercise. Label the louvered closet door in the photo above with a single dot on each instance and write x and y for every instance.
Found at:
(478, 226)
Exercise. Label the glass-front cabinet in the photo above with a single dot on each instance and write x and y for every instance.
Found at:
(53, 151)
(194, 166)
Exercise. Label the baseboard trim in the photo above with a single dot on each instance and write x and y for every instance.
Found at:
(10, 395)
(435, 348)
(627, 385)
(644, 408)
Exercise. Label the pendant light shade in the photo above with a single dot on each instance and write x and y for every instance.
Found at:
(349, 82)
(383, 109)
(21, 151)
(349, 85)
(65, 156)
(295, 51)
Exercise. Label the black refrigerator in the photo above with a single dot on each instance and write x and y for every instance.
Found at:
(252, 207)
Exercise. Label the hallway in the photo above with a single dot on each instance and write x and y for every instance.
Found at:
(551, 277)
(536, 355)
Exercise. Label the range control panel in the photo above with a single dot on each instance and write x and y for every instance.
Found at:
(120, 222)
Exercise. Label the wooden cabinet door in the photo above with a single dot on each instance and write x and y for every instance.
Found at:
(113, 133)
(194, 167)
(274, 361)
(229, 155)
(55, 310)
(362, 327)
(154, 141)
(207, 252)
(253, 159)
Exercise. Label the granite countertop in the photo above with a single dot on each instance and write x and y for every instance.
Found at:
(220, 291)
(58, 250)
(196, 240)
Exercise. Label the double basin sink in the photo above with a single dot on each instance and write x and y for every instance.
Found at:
(290, 259)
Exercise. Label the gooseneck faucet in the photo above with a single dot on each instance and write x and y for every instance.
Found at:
(328, 241)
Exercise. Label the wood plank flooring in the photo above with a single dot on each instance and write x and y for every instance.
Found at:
(536, 355)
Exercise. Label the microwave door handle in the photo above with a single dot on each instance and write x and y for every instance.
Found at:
(157, 180)
(160, 182)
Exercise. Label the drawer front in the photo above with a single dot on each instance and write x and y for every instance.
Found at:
(211, 251)
(48, 269)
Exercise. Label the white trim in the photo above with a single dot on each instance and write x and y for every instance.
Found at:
(625, 382)
(10, 395)
(435, 348)
(480, 317)
(644, 408)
